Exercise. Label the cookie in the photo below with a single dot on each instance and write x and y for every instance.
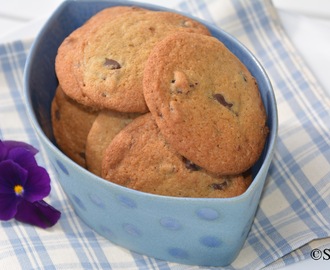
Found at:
(139, 158)
(71, 123)
(205, 102)
(114, 56)
(106, 125)
(69, 56)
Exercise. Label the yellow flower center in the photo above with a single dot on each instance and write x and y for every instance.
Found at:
(19, 190)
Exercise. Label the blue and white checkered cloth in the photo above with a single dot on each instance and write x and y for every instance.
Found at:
(294, 211)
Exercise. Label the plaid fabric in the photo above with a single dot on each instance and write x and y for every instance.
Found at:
(294, 208)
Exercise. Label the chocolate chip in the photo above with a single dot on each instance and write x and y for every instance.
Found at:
(220, 98)
(82, 155)
(243, 76)
(192, 85)
(112, 64)
(190, 165)
(219, 186)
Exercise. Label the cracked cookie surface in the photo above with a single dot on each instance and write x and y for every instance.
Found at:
(205, 102)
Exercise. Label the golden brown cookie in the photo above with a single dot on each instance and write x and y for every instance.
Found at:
(71, 123)
(206, 103)
(139, 158)
(106, 125)
(114, 55)
(70, 53)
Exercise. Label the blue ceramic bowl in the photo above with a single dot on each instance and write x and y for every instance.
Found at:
(185, 230)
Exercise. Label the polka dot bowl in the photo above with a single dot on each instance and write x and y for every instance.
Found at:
(185, 230)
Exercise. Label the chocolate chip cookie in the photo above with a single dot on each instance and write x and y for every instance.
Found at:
(205, 102)
(140, 158)
(69, 59)
(106, 125)
(71, 123)
(114, 55)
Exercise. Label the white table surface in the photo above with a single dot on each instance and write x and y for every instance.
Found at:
(307, 23)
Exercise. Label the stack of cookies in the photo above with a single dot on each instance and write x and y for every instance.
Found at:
(151, 101)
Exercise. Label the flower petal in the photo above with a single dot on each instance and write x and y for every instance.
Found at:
(8, 206)
(38, 213)
(37, 185)
(11, 174)
(22, 157)
(16, 144)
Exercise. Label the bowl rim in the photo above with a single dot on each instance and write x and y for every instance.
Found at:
(271, 140)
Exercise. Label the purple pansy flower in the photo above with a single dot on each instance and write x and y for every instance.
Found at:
(23, 185)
